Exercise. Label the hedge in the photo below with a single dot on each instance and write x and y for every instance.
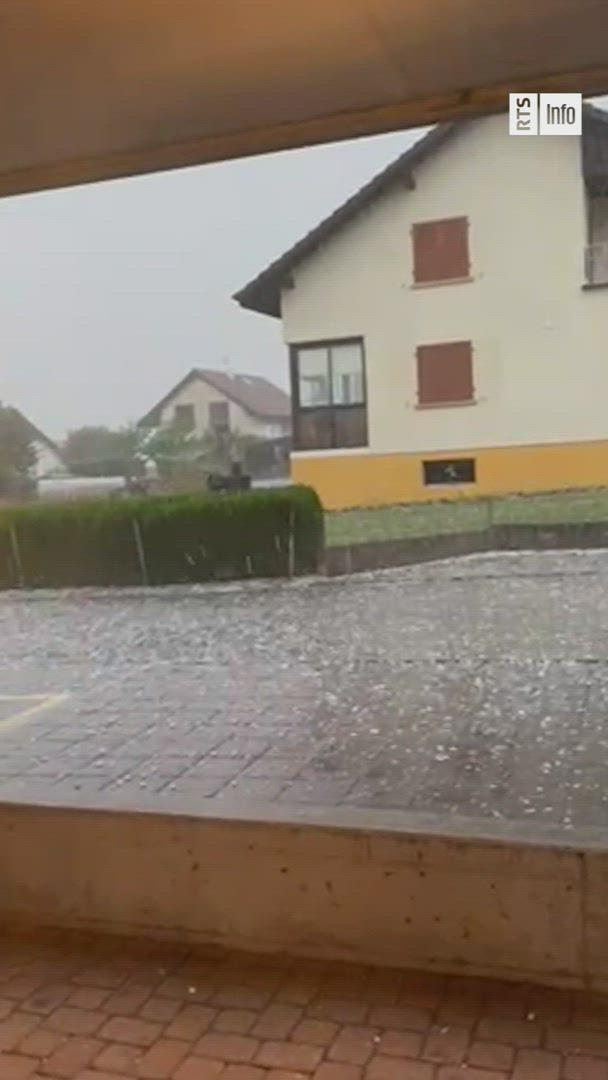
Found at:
(161, 541)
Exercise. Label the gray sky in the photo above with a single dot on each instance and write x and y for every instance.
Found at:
(110, 293)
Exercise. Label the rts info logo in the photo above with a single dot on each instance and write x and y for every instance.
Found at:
(545, 114)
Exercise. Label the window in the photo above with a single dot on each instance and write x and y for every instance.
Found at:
(313, 377)
(457, 471)
(183, 417)
(219, 416)
(328, 389)
(445, 373)
(596, 253)
(441, 250)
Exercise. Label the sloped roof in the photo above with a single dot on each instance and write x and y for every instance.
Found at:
(35, 434)
(263, 293)
(256, 395)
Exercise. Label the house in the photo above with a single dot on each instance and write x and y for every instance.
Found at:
(49, 461)
(447, 326)
(219, 401)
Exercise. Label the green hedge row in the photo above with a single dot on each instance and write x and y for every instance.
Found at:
(161, 541)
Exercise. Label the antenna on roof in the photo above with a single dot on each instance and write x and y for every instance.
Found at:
(227, 366)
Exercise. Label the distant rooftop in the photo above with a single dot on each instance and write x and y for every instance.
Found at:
(256, 395)
(33, 433)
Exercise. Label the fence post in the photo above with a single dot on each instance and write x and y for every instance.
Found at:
(291, 566)
(17, 557)
(141, 555)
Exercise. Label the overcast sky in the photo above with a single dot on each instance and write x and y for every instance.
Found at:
(110, 293)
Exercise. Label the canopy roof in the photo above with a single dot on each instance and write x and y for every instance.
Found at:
(91, 90)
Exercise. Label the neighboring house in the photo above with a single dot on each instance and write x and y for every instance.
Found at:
(448, 325)
(217, 401)
(49, 461)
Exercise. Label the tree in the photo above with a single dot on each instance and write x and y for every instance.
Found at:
(17, 454)
(182, 455)
(220, 450)
(176, 453)
(101, 451)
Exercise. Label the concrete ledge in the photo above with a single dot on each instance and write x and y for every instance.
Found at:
(381, 554)
(389, 893)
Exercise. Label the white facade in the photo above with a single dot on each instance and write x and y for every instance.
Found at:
(540, 340)
(200, 395)
(48, 461)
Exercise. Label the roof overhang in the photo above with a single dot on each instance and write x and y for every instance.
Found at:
(92, 90)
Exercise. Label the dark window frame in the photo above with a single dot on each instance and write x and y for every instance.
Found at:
(179, 410)
(431, 464)
(214, 424)
(332, 411)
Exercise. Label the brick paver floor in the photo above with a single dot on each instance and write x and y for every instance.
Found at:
(474, 687)
(100, 1009)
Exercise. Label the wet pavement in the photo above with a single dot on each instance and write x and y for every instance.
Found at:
(474, 687)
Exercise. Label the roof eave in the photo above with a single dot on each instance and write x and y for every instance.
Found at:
(263, 304)
(263, 293)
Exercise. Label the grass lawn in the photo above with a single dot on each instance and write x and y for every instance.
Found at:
(428, 519)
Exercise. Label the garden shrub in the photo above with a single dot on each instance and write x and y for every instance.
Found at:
(161, 541)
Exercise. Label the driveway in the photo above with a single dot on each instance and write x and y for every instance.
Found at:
(474, 687)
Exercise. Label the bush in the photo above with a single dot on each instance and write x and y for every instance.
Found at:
(183, 539)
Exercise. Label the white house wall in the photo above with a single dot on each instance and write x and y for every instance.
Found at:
(201, 394)
(539, 339)
(48, 461)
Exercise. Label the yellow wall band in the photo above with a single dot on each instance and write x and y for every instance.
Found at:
(350, 480)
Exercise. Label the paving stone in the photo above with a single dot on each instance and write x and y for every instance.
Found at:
(225, 1047)
(181, 1045)
(130, 1030)
(416, 704)
(71, 1057)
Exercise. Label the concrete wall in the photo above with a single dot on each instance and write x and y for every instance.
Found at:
(369, 888)
(200, 394)
(540, 373)
(381, 554)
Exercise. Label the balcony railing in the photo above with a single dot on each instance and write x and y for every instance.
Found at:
(596, 264)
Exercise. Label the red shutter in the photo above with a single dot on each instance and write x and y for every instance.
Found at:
(441, 250)
(445, 373)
